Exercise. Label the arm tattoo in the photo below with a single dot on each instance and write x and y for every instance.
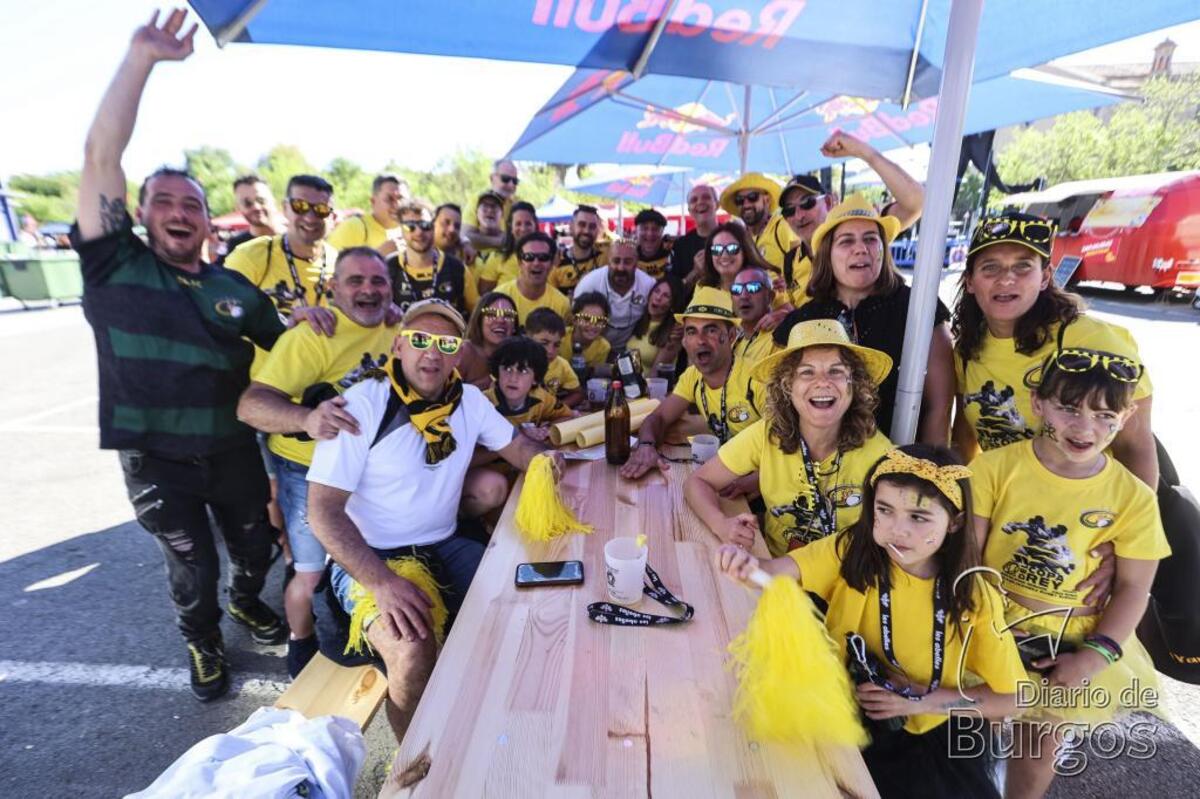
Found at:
(112, 214)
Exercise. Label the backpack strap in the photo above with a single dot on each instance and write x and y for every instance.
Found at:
(395, 416)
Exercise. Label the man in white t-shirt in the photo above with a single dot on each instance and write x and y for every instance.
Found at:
(387, 499)
(626, 287)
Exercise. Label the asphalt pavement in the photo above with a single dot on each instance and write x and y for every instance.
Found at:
(94, 700)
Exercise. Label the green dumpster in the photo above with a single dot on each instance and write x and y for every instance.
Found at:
(50, 275)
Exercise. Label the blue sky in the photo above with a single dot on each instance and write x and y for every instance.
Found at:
(58, 55)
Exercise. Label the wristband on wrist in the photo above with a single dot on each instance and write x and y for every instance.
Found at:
(1103, 650)
(643, 442)
(1109, 644)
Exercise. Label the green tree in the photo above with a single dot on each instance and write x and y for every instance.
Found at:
(282, 162)
(351, 185)
(216, 170)
(50, 198)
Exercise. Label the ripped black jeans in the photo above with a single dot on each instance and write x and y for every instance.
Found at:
(172, 498)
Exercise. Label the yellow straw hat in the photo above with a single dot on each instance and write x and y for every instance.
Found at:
(751, 181)
(824, 333)
(709, 303)
(856, 206)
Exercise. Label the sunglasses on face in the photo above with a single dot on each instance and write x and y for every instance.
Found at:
(749, 287)
(1118, 367)
(743, 197)
(499, 313)
(530, 257)
(509, 179)
(423, 225)
(420, 340)
(806, 204)
(302, 207)
(717, 250)
(1034, 231)
(592, 319)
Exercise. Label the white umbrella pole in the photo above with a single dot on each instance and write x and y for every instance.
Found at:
(958, 66)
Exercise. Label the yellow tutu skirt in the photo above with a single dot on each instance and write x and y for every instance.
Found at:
(1127, 686)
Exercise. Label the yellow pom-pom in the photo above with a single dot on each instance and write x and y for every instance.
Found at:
(365, 609)
(792, 684)
(541, 513)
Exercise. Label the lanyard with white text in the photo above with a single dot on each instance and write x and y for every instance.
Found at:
(608, 613)
(940, 612)
(720, 427)
(823, 512)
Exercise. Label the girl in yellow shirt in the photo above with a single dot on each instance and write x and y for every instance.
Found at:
(590, 312)
(925, 640)
(1042, 506)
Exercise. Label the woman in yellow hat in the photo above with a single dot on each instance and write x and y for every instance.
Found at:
(855, 282)
(812, 448)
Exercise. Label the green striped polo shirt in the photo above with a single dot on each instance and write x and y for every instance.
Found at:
(173, 347)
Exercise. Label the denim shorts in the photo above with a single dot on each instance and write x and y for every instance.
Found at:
(291, 490)
(268, 457)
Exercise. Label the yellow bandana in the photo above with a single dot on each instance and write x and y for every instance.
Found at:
(431, 418)
(944, 477)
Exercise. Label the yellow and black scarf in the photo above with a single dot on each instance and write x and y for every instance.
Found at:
(430, 417)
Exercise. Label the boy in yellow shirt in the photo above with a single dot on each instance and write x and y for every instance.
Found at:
(548, 329)
(518, 367)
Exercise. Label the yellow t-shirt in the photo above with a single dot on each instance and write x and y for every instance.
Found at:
(801, 273)
(302, 358)
(541, 408)
(265, 264)
(743, 399)
(568, 272)
(551, 298)
(1044, 527)
(791, 520)
(359, 231)
(749, 350)
(488, 262)
(774, 241)
(642, 344)
(991, 655)
(995, 390)
(560, 377)
(595, 353)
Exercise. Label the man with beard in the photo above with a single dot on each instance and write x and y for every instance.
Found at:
(254, 199)
(488, 213)
(531, 289)
(296, 398)
(422, 271)
(654, 249)
(714, 382)
(626, 287)
(753, 198)
(371, 230)
(172, 416)
(752, 299)
(805, 203)
(504, 181)
(584, 255)
(448, 238)
(687, 253)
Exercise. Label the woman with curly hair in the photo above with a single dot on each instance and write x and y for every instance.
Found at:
(813, 447)
(1009, 316)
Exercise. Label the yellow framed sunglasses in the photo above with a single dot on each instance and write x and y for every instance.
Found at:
(420, 340)
(1118, 367)
(592, 319)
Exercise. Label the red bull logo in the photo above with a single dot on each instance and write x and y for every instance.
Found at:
(875, 124)
(689, 18)
(671, 144)
(633, 188)
(843, 106)
(684, 119)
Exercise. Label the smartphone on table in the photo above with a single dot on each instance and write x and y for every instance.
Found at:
(556, 572)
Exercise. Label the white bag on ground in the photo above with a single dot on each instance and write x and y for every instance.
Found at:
(272, 754)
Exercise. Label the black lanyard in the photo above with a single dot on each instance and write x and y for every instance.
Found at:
(409, 288)
(720, 427)
(940, 613)
(608, 613)
(319, 289)
(823, 512)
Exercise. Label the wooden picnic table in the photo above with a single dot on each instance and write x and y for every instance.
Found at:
(530, 698)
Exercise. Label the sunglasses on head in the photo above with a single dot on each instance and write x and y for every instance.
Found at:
(509, 179)
(806, 204)
(591, 319)
(302, 207)
(420, 340)
(749, 287)
(499, 313)
(423, 224)
(530, 257)
(743, 197)
(1118, 367)
(1034, 231)
(733, 248)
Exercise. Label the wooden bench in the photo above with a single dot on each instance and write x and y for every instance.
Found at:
(325, 688)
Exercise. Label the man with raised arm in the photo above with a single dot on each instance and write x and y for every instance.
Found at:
(171, 341)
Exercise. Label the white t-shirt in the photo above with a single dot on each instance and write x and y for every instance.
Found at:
(396, 498)
(627, 308)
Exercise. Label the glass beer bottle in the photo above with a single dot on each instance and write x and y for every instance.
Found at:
(616, 426)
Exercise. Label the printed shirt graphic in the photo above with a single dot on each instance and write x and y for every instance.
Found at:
(569, 270)
(990, 656)
(552, 298)
(1043, 526)
(994, 389)
(656, 265)
(303, 358)
(742, 400)
(540, 407)
(790, 517)
(560, 377)
(265, 264)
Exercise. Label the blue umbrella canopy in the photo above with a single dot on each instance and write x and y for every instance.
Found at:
(608, 116)
(649, 185)
(864, 48)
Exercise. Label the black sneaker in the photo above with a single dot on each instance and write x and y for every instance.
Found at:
(210, 677)
(299, 652)
(264, 624)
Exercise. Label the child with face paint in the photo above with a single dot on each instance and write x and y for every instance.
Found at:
(902, 598)
(1042, 507)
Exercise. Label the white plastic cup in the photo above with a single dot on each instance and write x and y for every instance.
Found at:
(704, 447)
(656, 387)
(625, 568)
(597, 390)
